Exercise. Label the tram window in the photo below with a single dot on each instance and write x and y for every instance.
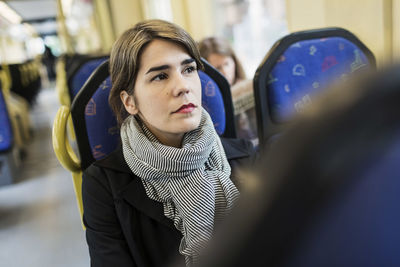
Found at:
(158, 9)
(252, 26)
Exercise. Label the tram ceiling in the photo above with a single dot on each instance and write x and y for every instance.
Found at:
(41, 14)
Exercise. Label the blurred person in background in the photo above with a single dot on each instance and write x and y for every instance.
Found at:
(48, 60)
(219, 53)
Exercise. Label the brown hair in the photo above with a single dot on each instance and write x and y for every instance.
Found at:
(126, 51)
(215, 45)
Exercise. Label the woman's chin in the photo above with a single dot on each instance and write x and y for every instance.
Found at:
(189, 124)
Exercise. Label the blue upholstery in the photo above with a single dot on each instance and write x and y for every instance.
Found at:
(82, 74)
(298, 67)
(6, 135)
(212, 101)
(101, 123)
(307, 67)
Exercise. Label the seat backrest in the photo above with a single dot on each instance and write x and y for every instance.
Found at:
(299, 66)
(25, 80)
(82, 72)
(6, 133)
(217, 100)
(96, 128)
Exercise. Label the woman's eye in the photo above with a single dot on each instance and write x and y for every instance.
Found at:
(190, 69)
(159, 77)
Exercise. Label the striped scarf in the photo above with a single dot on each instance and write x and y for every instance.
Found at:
(193, 182)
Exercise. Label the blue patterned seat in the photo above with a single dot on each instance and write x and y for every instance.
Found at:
(217, 100)
(7, 161)
(212, 102)
(6, 134)
(298, 67)
(82, 73)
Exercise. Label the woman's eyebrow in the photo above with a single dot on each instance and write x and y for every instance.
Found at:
(163, 67)
(187, 61)
(157, 68)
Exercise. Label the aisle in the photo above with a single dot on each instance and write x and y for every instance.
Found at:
(39, 219)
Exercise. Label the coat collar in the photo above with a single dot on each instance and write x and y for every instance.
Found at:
(135, 194)
(132, 189)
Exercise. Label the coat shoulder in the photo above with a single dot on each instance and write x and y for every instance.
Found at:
(112, 172)
(237, 148)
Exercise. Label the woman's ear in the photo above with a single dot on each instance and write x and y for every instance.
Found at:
(129, 103)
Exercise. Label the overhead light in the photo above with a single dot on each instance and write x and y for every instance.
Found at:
(9, 14)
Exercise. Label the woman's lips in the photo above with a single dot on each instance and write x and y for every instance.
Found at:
(186, 108)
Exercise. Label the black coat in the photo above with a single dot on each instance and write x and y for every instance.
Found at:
(124, 227)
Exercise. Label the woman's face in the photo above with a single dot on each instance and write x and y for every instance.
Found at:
(225, 64)
(167, 93)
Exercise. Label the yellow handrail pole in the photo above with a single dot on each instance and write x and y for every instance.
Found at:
(64, 34)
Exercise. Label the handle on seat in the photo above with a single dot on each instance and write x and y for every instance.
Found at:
(63, 150)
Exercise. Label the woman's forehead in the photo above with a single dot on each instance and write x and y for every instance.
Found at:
(163, 52)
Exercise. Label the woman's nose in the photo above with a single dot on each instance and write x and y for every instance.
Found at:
(180, 85)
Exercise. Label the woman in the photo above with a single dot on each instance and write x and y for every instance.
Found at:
(219, 53)
(158, 196)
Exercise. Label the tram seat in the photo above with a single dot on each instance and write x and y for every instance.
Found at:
(217, 100)
(8, 159)
(25, 79)
(96, 129)
(18, 110)
(72, 73)
(327, 191)
(298, 67)
(82, 73)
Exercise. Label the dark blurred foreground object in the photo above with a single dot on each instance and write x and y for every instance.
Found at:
(328, 191)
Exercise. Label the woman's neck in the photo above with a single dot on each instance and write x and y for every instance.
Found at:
(173, 140)
(167, 139)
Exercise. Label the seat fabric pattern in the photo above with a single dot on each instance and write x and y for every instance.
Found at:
(306, 68)
(83, 74)
(212, 102)
(101, 123)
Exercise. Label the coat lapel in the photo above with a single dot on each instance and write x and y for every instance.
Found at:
(135, 194)
(130, 188)
(237, 148)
